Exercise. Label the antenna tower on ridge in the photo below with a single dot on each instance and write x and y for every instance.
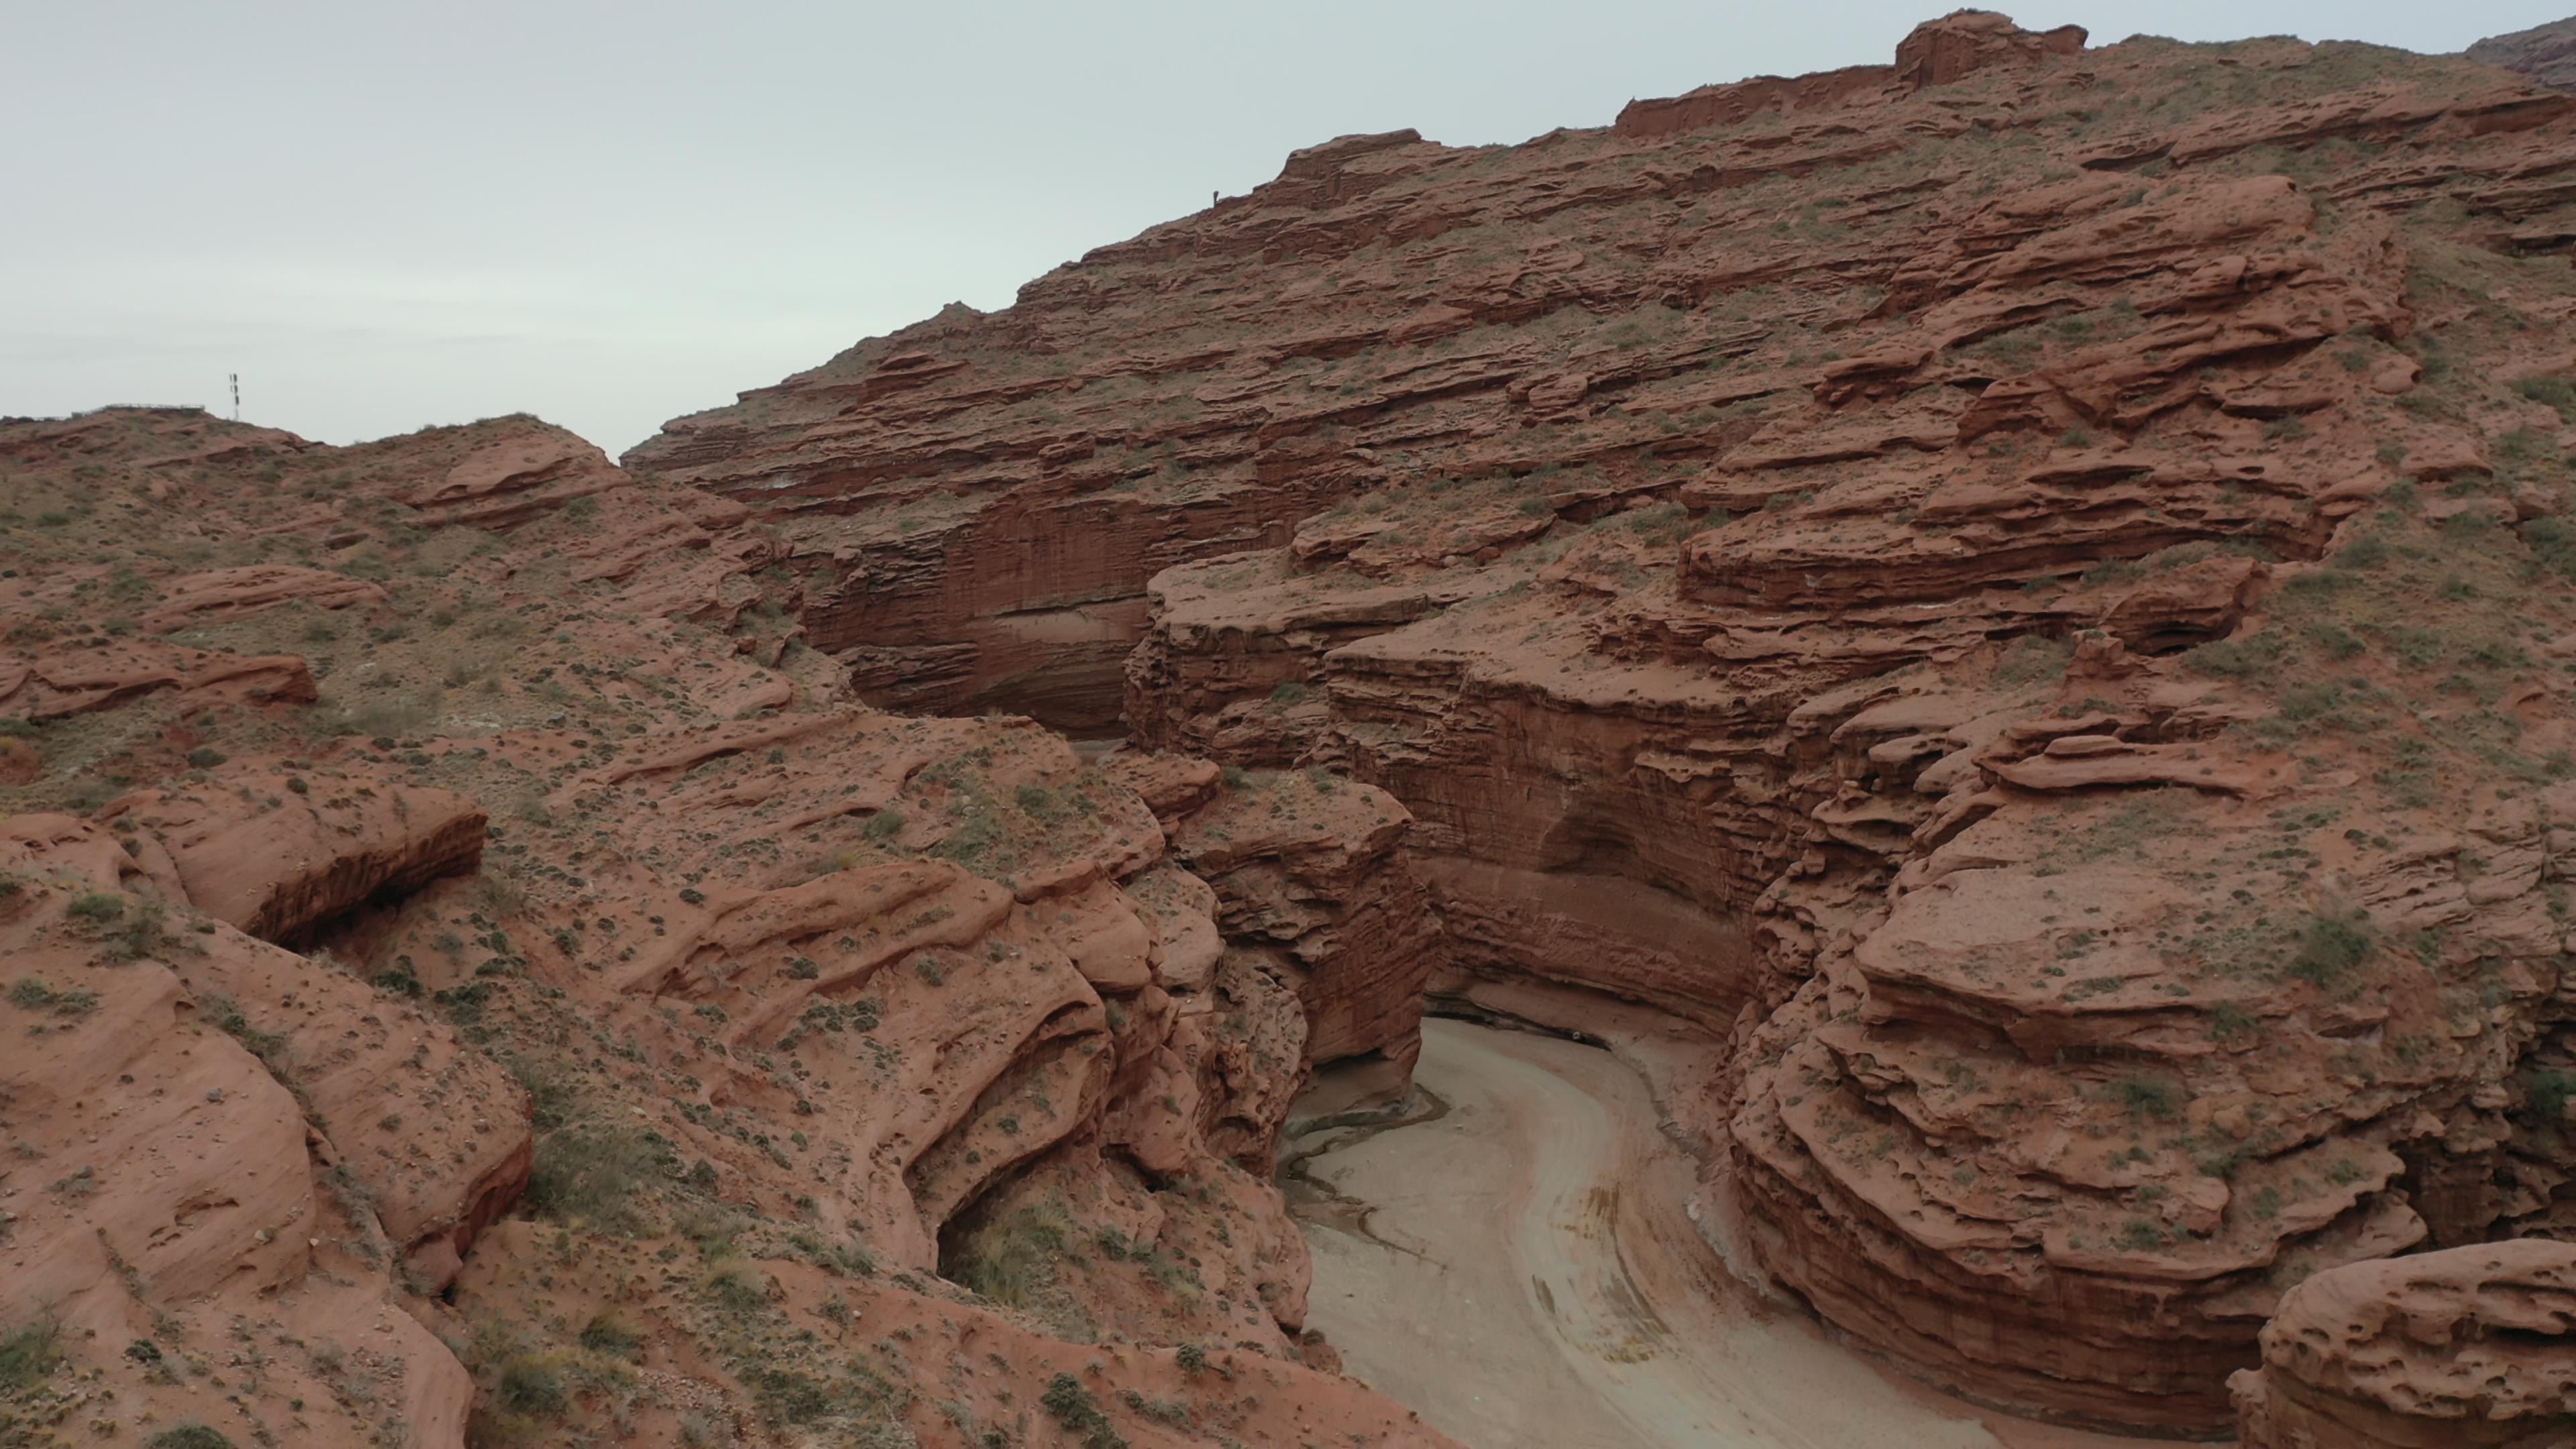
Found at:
(236, 377)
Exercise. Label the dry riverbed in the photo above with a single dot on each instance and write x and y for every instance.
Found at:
(1514, 1261)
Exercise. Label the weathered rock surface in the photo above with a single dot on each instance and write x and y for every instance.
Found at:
(1305, 870)
(201, 1126)
(75, 680)
(607, 908)
(224, 593)
(2024, 585)
(279, 856)
(2025, 589)
(2545, 53)
(2469, 1347)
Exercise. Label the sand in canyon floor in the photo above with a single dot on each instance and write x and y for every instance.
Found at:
(1516, 1264)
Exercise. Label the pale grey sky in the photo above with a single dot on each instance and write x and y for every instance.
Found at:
(388, 215)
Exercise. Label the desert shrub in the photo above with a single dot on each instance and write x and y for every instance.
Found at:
(188, 1436)
(553, 1098)
(2253, 658)
(595, 1175)
(1073, 1406)
(29, 1354)
(2331, 946)
(2143, 1235)
(2034, 657)
(2556, 392)
(533, 1384)
(2552, 542)
(2230, 1021)
(786, 1396)
(2366, 552)
(143, 933)
(35, 995)
(607, 1333)
(269, 1046)
(2147, 1095)
(1010, 1260)
(735, 1289)
(2546, 1095)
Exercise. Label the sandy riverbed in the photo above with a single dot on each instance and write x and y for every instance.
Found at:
(1517, 1264)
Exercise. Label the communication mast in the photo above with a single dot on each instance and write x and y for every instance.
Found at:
(236, 377)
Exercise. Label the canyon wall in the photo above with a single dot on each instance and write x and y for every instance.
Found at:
(478, 977)
(2025, 587)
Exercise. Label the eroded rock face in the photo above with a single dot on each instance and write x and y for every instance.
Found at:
(2473, 1347)
(1304, 869)
(279, 856)
(2545, 53)
(75, 680)
(569, 912)
(205, 1131)
(1954, 574)
(1960, 44)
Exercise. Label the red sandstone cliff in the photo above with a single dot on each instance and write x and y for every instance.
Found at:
(2022, 587)
(2022, 591)
(634, 967)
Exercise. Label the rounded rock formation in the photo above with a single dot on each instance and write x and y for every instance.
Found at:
(2473, 1348)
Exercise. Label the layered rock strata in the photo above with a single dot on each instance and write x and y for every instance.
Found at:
(2025, 586)
(2469, 1347)
(620, 937)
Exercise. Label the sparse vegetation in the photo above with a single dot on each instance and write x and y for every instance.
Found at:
(1073, 1406)
(2331, 946)
(29, 1354)
(597, 1176)
(2151, 1096)
(189, 1436)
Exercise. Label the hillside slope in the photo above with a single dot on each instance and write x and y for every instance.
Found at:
(475, 977)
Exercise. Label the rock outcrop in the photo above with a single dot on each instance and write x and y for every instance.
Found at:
(1305, 871)
(2021, 587)
(2545, 53)
(508, 859)
(211, 1145)
(2470, 1347)
(96, 674)
(282, 856)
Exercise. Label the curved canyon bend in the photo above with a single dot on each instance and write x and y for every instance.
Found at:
(1511, 1253)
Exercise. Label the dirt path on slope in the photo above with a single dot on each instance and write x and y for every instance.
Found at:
(1518, 1266)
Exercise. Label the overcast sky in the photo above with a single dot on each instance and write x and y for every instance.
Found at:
(609, 214)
